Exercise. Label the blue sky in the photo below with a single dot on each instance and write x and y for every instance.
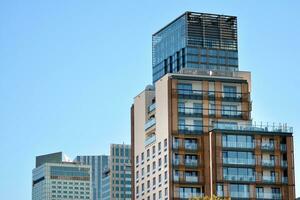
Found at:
(69, 71)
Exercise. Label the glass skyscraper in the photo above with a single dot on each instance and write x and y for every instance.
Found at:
(98, 165)
(197, 41)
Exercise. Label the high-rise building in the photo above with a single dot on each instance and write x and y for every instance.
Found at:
(57, 178)
(116, 179)
(192, 133)
(196, 41)
(98, 165)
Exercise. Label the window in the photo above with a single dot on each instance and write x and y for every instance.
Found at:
(159, 178)
(153, 165)
(137, 189)
(165, 159)
(159, 146)
(148, 184)
(239, 190)
(143, 172)
(148, 153)
(154, 181)
(159, 162)
(165, 143)
(153, 150)
(166, 191)
(229, 110)
(137, 174)
(160, 194)
(166, 175)
(229, 91)
(148, 168)
(184, 88)
(142, 157)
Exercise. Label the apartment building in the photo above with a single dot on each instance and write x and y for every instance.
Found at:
(191, 131)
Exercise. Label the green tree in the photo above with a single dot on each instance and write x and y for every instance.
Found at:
(210, 198)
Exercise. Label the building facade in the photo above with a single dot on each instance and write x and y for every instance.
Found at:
(116, 179)
(197, 41)
(192, 133)
(56, 179)
(98, 165)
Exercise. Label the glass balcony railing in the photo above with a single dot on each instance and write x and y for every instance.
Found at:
(283, 147)
(239, 178)
(151, 107)
(284, 163)
(267, 146)
(188, 195)
(191, 163)
(175, 145)
(150, 139)
(232, 113)
(240, 145)
(238, 161)
(191, 179)
(268, 195)
(176, 178)
(268, 163)
(282, 128)
(284, 179)
(226, 96)
(194, 129)
(176, 161)
(151, 122)
(190, 111)
(191, 146)
(239, 194)
(269, 179)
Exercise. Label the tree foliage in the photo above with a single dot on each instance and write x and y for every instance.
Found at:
(210, 198)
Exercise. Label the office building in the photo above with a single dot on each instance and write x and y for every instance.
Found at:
(57, 178)
(116, 179)
(192, 133)
(195, 41)
(98, 165)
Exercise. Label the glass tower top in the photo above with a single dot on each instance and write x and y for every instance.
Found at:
(195, 40)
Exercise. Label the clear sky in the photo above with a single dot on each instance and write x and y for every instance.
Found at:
(69, 71)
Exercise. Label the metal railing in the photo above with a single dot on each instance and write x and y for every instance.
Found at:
(150, 139)
(267, 146)
(190, 128)
(282, 128)
(268, 195)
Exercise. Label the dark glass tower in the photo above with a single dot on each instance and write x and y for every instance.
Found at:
(195, 40)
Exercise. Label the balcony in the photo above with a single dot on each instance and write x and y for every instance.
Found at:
(191, 179)
(232, 113)
(268, 195)
(175, 145)
(284, 180)
(281, 128)
(190, 146)
(150, 139)
(191, 162)
(151, 107)
(176, 161)
(190, 129)
(284, 163)
(176, 178)
(267, 146)
(268, 163)
(239, 145)
(283, 147)
(151, 122)
(189, 94)
(239, 178)
(190, 111)
(238, 161)
(268, 179)
(199, 94)
(239, 194)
